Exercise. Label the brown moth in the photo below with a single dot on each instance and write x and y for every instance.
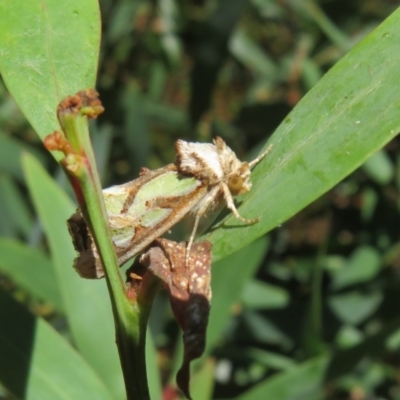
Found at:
(203, 176)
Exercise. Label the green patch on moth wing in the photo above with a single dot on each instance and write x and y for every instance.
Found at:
(154, 216)
(143, 212)
(122, 228)
(114, 198)
(170, 184)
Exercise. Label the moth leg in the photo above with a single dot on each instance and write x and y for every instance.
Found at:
(205, 204)
(192, 235)
(259, 158)
(231, 205)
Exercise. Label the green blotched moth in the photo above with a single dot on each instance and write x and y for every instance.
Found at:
(203, 177)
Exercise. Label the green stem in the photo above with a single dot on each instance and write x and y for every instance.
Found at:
(130, 319)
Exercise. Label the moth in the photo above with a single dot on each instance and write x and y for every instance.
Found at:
(204, 176)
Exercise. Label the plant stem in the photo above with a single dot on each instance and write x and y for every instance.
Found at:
(130, 318)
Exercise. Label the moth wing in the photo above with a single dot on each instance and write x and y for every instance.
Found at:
(122, 228)
(138, 212)
(87, 264)
(172, 208)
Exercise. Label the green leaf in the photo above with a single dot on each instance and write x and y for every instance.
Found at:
(31, 269)
(303, 382)
(153, 373)
(355, 307)
(10, 155)
(228, 279)
(372, 347)
(37, 363)
(351, 113)
(136, 126)
(170, 40)
(380, 168)
(258, 294)
(265, 330)
(251, 55)
(202, 382)
(86, 303)
(269, 359)
(49, 50)
(362, 266)
(348, 336)
(15, 211)
(393, 341)
(369, 201)
(120, 22)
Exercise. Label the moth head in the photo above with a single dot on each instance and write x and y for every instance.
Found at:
(239, 180)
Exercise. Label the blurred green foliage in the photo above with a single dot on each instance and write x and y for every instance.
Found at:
(309, 312)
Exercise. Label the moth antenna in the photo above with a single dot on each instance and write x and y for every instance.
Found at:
(191, 239)
(231, 205)
(260, 157)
